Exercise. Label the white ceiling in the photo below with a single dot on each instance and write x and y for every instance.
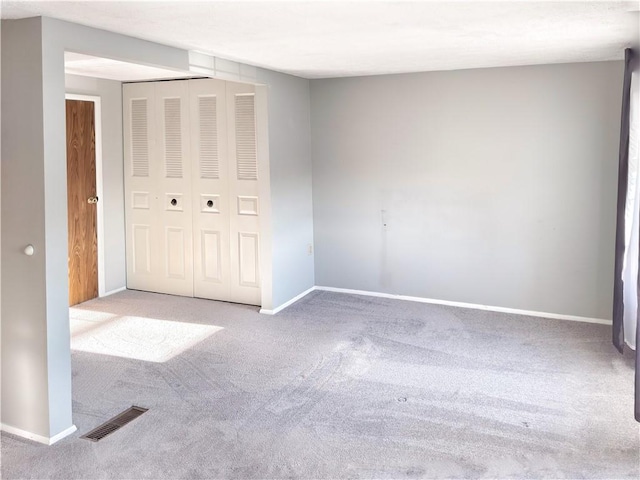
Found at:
(317, 39)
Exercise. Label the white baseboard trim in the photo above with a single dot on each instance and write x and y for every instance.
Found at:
(473, 306)
(286, 304)
(35, 437)
(515, 311)
(62, 434)
(111, 292)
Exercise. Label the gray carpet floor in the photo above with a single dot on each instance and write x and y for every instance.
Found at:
(340, 386)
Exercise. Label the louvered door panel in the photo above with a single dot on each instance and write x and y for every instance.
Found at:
(139, 137)
(175, 244)
(208, 146)
(173, 154)
(245, 133)
(244, 197)
(211, 204)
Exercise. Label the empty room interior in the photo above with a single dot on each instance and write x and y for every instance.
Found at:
(319, 239)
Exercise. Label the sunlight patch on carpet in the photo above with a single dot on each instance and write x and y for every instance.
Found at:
(139, 338)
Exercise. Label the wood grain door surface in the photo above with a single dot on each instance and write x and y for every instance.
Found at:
(82, 215)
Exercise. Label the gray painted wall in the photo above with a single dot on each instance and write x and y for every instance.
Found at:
(290, 172)
(498, 186)
(110, 93)
(24, 309)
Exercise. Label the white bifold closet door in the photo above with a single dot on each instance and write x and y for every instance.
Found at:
(191, 189)
(174, 244)
(243, 194)
(212, 277)
(158, 174)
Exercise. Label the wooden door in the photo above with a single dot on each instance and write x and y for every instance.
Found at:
(81, 202)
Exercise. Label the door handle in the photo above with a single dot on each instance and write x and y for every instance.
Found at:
(92, 200)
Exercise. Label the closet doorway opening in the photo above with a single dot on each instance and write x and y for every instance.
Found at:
(195, 132)
(192, 197)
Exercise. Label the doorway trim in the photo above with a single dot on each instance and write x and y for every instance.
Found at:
(99, 193)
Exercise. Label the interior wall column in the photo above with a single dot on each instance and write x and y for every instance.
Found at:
(36, 361)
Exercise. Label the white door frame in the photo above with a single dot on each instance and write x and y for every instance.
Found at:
(97, 112)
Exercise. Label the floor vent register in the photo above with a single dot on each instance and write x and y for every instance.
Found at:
(116, 423)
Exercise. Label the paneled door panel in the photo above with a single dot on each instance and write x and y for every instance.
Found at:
(243, 195)
(141, 240)
(210, 180)
(82, 213)
(211, 256)
(248, 260)
(176, 253)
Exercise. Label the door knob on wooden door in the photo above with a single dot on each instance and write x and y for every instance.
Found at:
(92, 200)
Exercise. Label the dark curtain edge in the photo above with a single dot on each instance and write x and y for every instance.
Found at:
(630, 67)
